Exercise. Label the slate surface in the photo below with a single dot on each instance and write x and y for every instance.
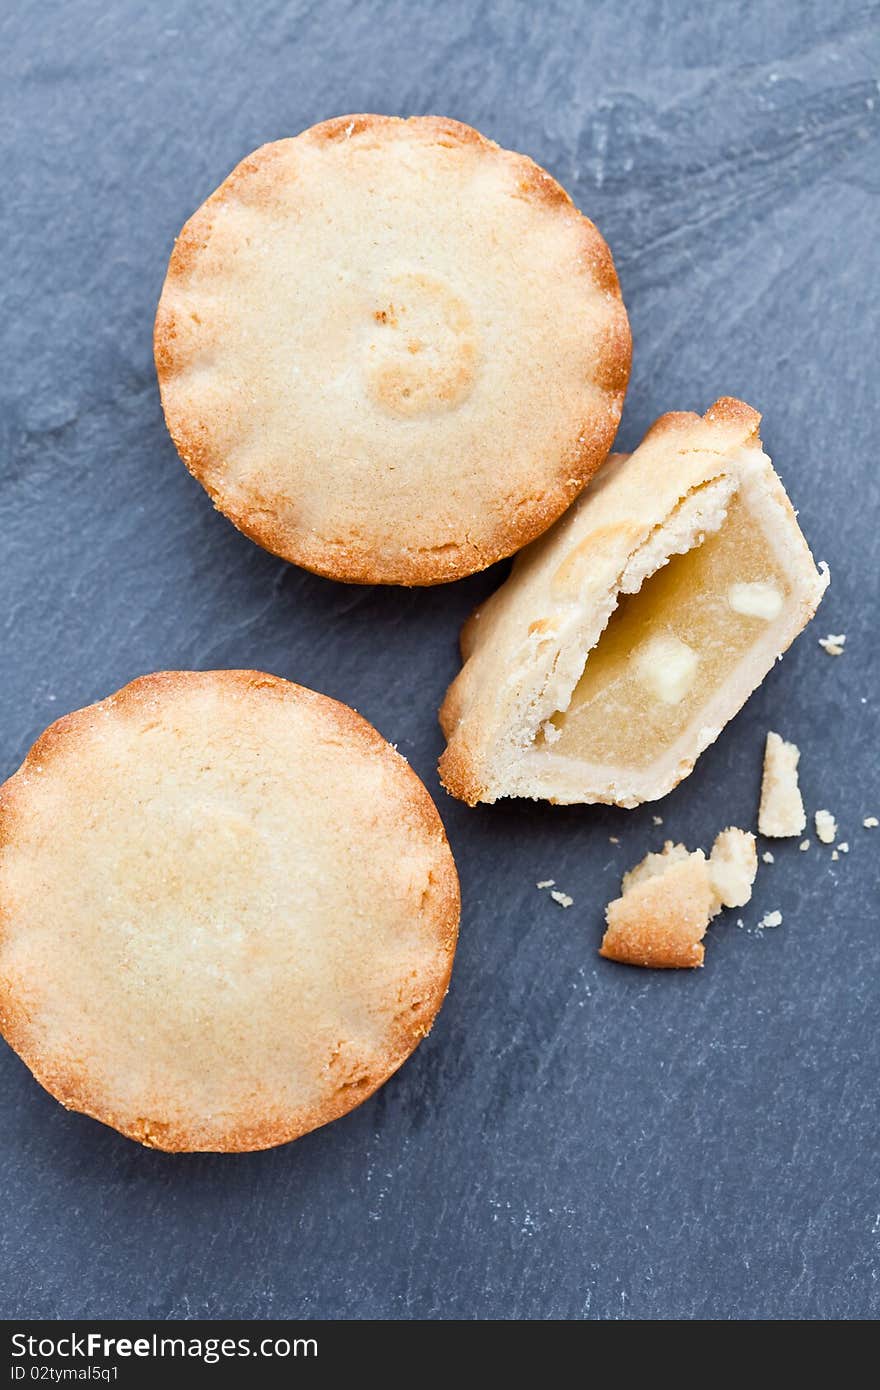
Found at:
(575, 1139)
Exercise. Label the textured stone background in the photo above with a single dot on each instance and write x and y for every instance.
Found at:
(575, 1139)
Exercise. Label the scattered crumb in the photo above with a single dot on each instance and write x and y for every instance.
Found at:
(740, 922)
(668, 900)
(733, 865)
(562, 898)
(826, 827)
(613, 840)
(768, 857)
(661, 917)
(771, 919)
(844, 846)
(833, 644)
(804, 844)
(781, 813)
(870, 822)
(658, 820)
(546, 883)
(834, 854)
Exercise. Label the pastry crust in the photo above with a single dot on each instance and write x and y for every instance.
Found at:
(660, 920)
(733, 865)
(391, 351)
(781, 812)
(826, 827)
(524, 650)
(668, 900)
(229, 910)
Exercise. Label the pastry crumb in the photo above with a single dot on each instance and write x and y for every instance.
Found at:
(562, 898)
(781, 813)
(733, 865)
(613, 840)
(844, 847)
(804, 844)
(834, 643)
(826, 827)
(661, 917)
(834, 854)
(768, 857)
(870, 822)
(668, 900)
(771, 919)
(658, 820)
(546, 883)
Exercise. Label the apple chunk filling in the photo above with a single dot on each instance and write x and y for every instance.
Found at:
(668, 648)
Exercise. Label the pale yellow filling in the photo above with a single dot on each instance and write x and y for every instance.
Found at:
(668, 648)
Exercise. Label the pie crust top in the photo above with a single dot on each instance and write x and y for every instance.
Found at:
(229, 910)
(391, 351)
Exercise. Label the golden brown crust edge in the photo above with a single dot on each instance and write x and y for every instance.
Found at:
(736, 419)
(661, 923)
(70, 1086)
(457, 771)
(342, 560)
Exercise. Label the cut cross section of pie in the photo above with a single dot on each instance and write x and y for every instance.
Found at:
(627, 636)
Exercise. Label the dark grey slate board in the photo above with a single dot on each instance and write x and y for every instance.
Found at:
(574, 1139)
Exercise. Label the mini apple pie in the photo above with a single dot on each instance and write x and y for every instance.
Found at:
(627, 636)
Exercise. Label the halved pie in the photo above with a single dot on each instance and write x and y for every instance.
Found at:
(627, 636)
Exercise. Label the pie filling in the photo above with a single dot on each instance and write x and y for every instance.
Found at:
(668, 648)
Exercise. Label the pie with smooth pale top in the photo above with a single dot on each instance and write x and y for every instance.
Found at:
(229, 910)
(391, 351)
(627, 637)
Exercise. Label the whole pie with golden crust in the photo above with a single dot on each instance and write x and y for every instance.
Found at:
(391, 351)
(229, 910)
